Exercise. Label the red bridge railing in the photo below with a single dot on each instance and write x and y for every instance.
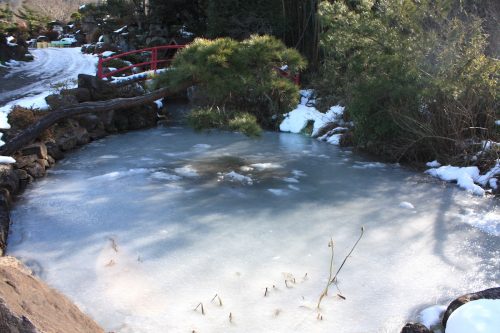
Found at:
(155, 60)
(152, 63)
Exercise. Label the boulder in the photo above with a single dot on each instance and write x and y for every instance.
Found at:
(492, 293)
(99, 90)
(28, 305)
(54, 151)
(4, 233)
(415, 328)
(81, 94)
(24, 179)
(38, 149)
(9, 179)
(66, 142)
(37, 170)
(56, 101)
(23, 162)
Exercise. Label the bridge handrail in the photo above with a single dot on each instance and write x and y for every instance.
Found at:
(153, 63)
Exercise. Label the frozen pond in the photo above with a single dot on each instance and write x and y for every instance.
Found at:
(139, 228)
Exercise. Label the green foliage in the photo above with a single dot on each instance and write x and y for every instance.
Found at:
(239, 76)
(215, 117)
(239, 18)
(415, 79)
(6, 20)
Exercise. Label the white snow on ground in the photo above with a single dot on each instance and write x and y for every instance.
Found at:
(466, 177)
(50, 66)
(295, 121)
(142, 75)
(480, 316)
(7, 160)
(432, 315)
(107, 54)
(187, 171)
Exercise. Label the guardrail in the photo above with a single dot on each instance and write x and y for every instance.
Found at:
(152, 63)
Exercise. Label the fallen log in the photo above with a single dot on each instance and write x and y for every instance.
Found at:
(36, 129)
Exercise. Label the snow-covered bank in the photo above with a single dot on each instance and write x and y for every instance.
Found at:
(296, 120)
(468, 178)
(479, 316)
(27, 84)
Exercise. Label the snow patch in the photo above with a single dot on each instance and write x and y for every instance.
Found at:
(7, 160)
(479, 316)
(433, 164)
(464, 176)
(432, 315)
(488, 222)
(368, 165)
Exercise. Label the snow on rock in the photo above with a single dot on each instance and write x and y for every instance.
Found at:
(295, 121)
(107, 54)
(7, 160)
(433, 164)
(159, 103)
(432, 315)
(406, 204)
(479, 316)
(368, 165)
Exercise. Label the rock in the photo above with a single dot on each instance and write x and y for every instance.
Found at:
(99, 89)
(51, 160)
(4, 225)
(28, 305)
(24, 179)
(90, 122)
(81, 135)
(9, 179)
(66, 142)
(97, 134)
(25, 161)
(81, 94)
(54, 150)
(37, 170)
(415, 328)
(38, 149)
(57, 101)
(492, 293)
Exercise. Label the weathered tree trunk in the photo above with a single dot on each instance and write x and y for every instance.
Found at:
(32, 132)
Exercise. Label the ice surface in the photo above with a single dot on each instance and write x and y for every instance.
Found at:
(480, 316)
(138, 253)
